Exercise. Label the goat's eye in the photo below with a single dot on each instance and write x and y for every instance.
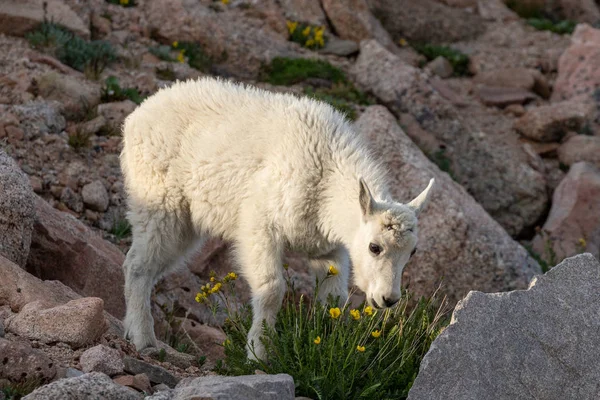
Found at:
(412, 253)
(375, 249)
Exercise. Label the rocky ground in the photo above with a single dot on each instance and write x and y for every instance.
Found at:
(512, 137)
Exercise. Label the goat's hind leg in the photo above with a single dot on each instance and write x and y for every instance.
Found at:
(160, 242)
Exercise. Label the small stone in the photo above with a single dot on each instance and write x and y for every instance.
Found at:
(103, 359)
(93, 385)
(95, 196)
(339, 47)
(71, 199)
(249, 387)
(139, 382)
(503, 96)
(441, 67)
(14, 134)
(550, 123)
(56, 191)
(515, 109)
(580, 148)
(155, 373)
(36, 184)
(160, 387)
(78, 323)
(91, 216)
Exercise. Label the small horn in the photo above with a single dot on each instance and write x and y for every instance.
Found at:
(419, 202)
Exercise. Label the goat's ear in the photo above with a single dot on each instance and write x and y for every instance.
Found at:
(419, 202)
(365, 198)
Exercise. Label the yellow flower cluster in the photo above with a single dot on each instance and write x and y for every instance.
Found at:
(124, 2)
(307, 35)
(368, 310)
(317, 40)
(355, 314)
(207, 290)
(333, 271)
(335, 312)
(292, 25)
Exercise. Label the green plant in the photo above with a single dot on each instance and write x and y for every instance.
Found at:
(341, 96)
(123, 3)
(525, 9)
(121, 228)
(165, 74)
(112, 91)
(309, 36)
(162, 52)
(288, 71)
(332, 353)
(442, 161)
(545, 24)
(88, 57)
(79, 139)
(200, 361)
(543, 264)
(459, 60)
(162, 355)
(196, 57)
(15, 391)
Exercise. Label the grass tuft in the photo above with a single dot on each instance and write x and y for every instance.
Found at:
(545, 24)
(332, 353)
(112, 91)
(88, 57)
(458, 60)
(121, 229)
(288, 71)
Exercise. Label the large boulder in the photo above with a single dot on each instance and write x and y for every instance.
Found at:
(16, 211)
(249, 387)
(237, 44)
(17, 17)
(459, 244)
(22, 362)
(576, 10)
(94, 385)
(353, 20)
(426, 21)
(578, 72)
(573, 225)
(77, 97)
(536, 344)
(494, 168)
(77, 323)
(65, 249)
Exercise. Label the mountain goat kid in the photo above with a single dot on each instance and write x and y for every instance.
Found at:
(267, 172)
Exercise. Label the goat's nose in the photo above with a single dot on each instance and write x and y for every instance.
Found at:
(390, 302)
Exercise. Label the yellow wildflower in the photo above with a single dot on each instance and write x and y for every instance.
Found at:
(291, 25)
(212, 278)
(200, 297)
(368, 310)
(306, 31)
(226, 342)
(317, 340)
(232, 275)
(376, 333)
(335, 312)
(123, 2)
(286, 266)
(225, 2)
(216, 288)
(360, 348)
(332, 271)
(402, 42)
(582, 242)
(310, 43)
(175, 44)
(355, 314)
(181, 57)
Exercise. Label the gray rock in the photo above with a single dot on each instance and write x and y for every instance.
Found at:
(94, 385)
(40, 117)
(20, 361)
(103, 359)
(17, 213)
(73, 373)
(339, 47)
(536, 344)
(551, 122)
(71, 199)
(95, 196)
(155, 373)
(441, 67)
(491, 165)
(248, 387)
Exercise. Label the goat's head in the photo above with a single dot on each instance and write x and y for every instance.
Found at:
(384, 242)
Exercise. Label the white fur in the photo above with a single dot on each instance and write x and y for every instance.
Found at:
(265, 171)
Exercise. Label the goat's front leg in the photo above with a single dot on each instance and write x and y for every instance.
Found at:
(334, 283)
(261, 265)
